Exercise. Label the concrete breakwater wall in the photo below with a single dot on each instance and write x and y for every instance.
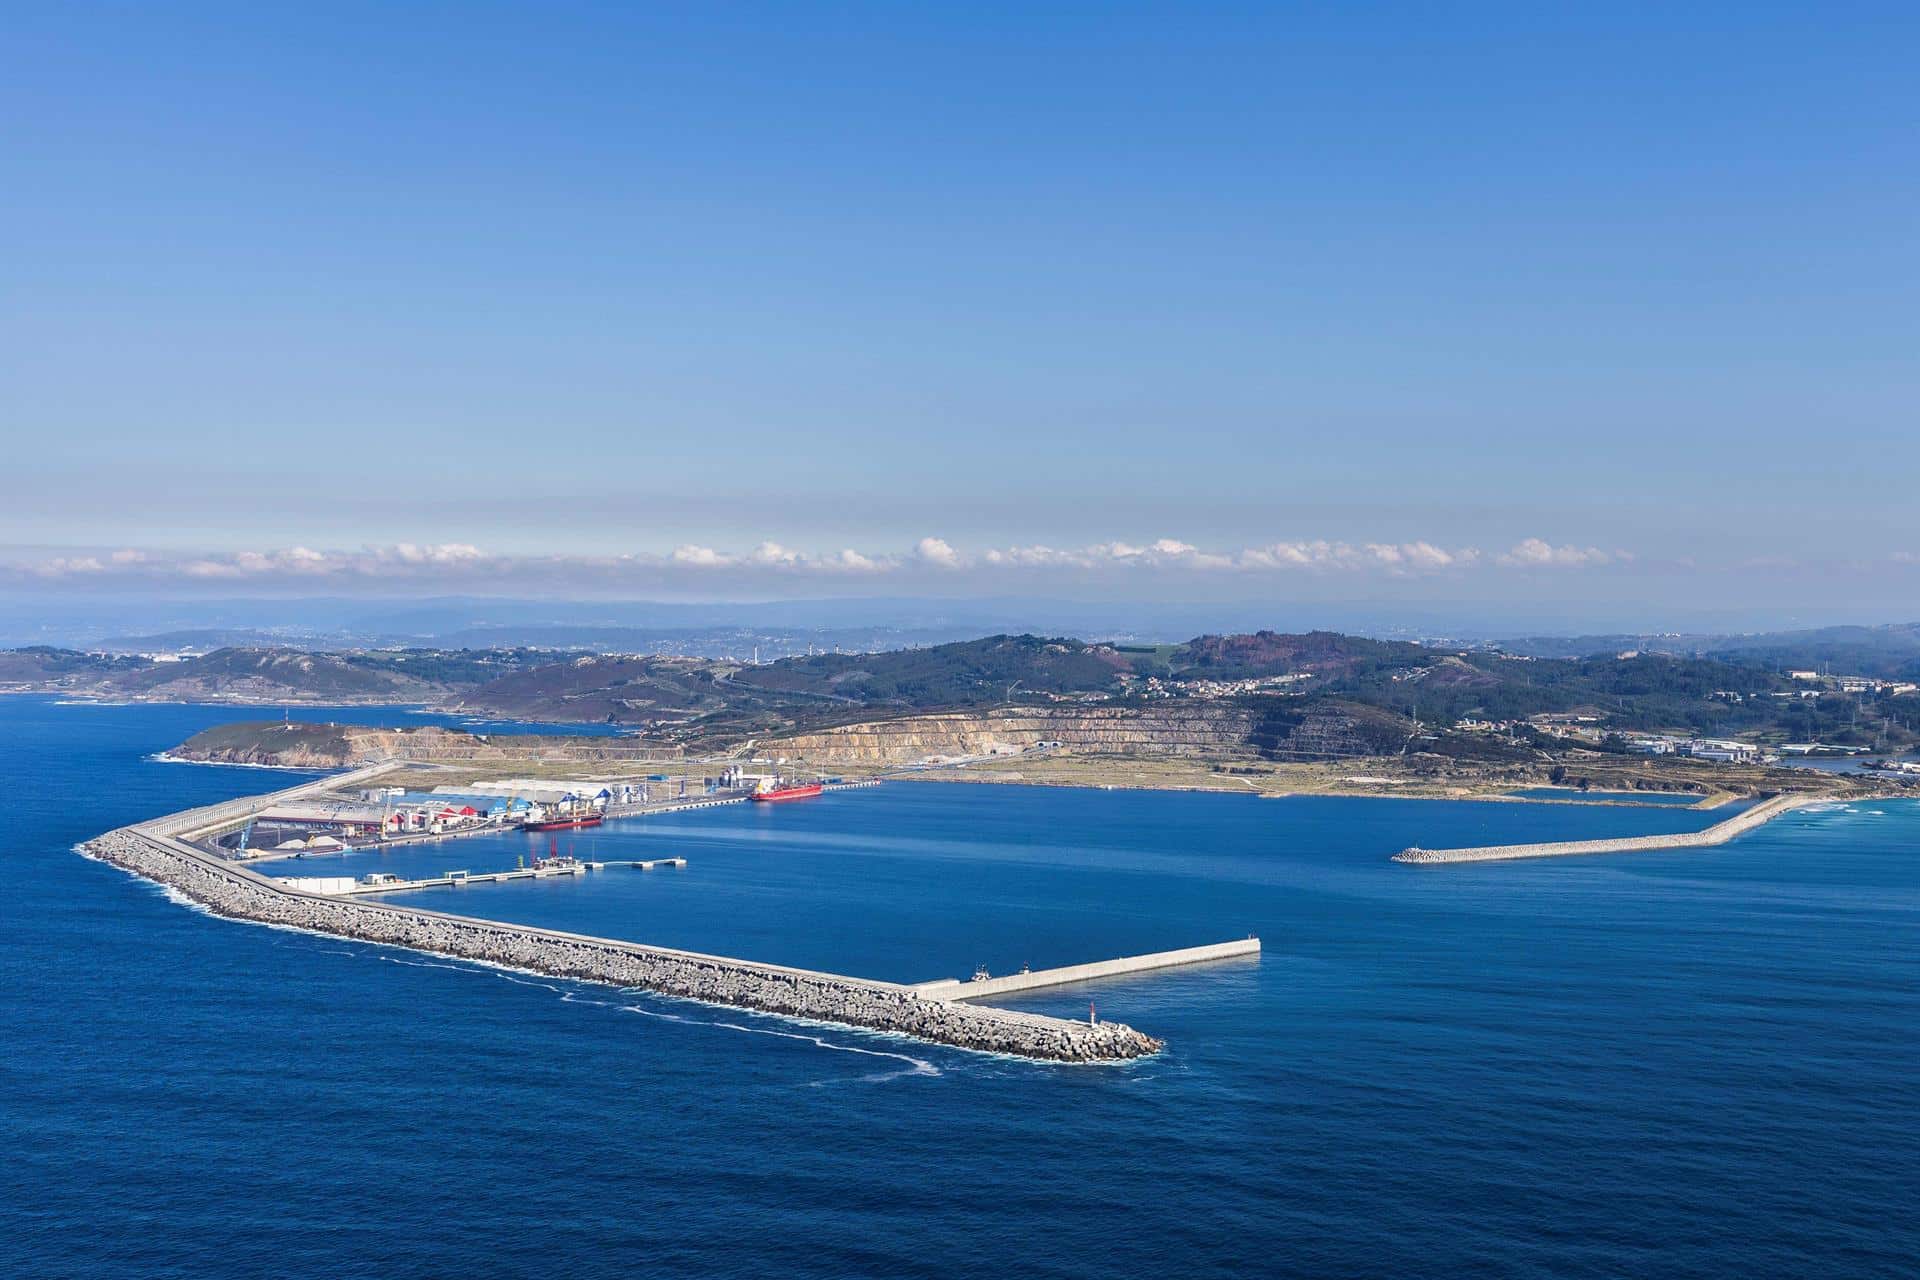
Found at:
(1719, 833)
(238, 893)
(1032, 980)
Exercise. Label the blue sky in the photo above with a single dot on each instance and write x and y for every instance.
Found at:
(1349, 302)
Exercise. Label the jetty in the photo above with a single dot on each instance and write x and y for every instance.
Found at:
(648, 809)
(379, 882)
(981, 986)
(1719, 833)
(161, 851)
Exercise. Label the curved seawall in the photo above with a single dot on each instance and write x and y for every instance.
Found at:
(152, 850)
(1719, 833)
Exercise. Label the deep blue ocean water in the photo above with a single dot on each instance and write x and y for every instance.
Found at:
(1675, 1064)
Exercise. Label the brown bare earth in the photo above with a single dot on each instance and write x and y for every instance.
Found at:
(1393, 776)
(1081, 747)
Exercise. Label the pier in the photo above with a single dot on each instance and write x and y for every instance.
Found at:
(1719, 833)
(647, 809)
(454, 879)
(1030, 980)
(342, 886)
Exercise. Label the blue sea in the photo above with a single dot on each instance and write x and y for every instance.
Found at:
(1695, 1063)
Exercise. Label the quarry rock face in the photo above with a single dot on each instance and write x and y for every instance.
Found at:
(1189, 729)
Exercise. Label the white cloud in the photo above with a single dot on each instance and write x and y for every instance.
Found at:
(768, 555)
(1538, 553)
(704, 557)
(938, 551)
(211, 569)
(444, 553)
(1038, 557)
(857, 563)
(69, 566)
(772, 553)
(1427, 556)
(1393, 558)
(771, 561)
(1281, 555)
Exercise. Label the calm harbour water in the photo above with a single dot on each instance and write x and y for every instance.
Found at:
(1680, 1064)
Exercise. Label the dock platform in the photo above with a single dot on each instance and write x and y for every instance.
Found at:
(484, 877)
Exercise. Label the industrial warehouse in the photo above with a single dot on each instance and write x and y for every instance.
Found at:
(332, 823)
(387, 814)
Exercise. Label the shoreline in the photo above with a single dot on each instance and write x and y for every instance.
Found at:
(1706, 802)
(164, 757)
(1118, 778)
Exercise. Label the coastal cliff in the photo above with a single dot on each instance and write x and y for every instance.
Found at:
(314, 746)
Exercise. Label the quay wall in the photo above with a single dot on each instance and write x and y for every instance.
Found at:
(233, 891)
(1719, 833)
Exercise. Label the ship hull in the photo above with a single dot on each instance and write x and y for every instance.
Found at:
(562, 824)
(786, 793)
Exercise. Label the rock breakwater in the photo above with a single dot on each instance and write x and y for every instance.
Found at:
(237, 893)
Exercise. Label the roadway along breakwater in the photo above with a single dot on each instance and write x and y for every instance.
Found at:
(1719, 833)
(153, 851)
(982, 988)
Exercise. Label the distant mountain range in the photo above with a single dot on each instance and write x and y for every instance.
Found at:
(1885, 651)
(455, 621)
(1668, 683)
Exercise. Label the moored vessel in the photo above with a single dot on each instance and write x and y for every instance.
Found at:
(773, 789)
(564, 824)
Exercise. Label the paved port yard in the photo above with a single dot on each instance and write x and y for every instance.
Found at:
(160, 850)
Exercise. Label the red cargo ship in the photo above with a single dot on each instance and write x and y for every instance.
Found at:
(563, 824)
(770, 790)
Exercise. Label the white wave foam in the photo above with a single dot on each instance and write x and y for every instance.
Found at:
(915, 1066)
(174, 895)
(166, 891)
(519, 975)
(531, 978)
(161, 757)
